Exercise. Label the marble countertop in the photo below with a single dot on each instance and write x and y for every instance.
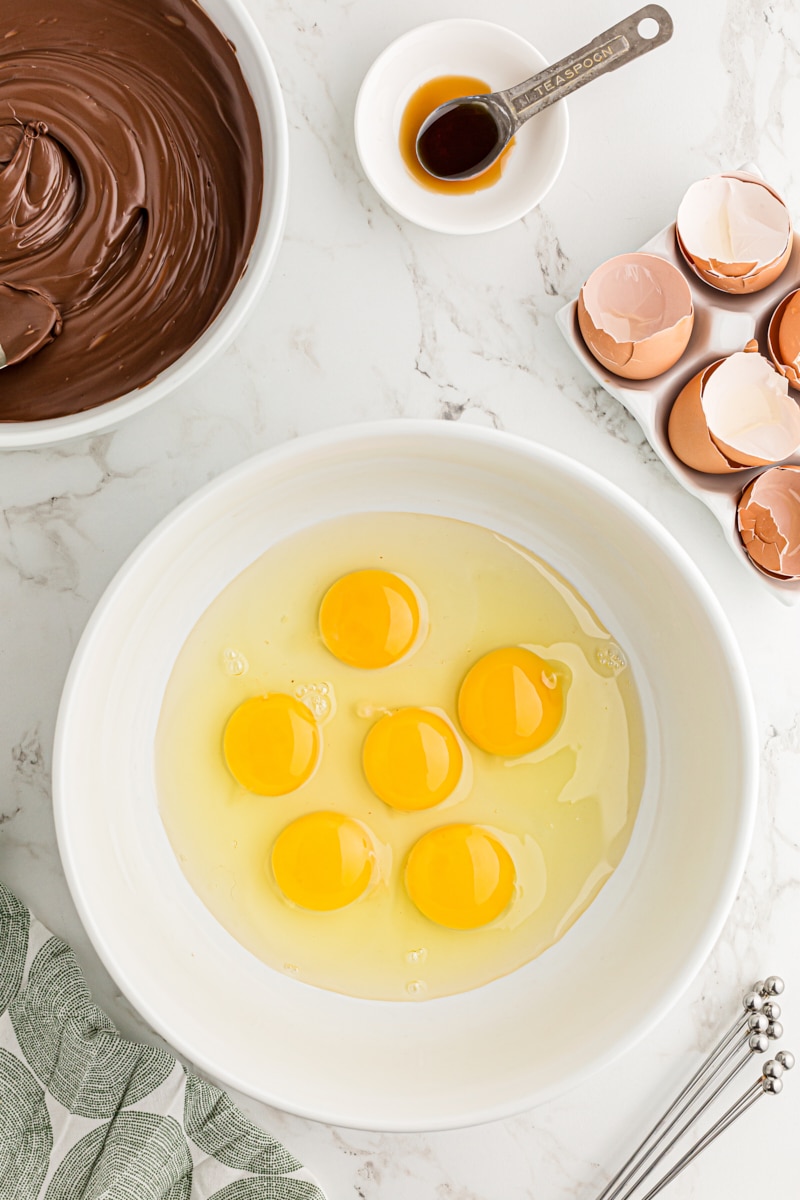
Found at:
(367, 316)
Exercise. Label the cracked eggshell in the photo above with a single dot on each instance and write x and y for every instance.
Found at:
(636, 315)
(734, 414)
(783, 338)
(735, 232)
(768, 517)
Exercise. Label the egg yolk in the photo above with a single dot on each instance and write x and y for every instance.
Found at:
(412, 759)
(271, 744)
(510, 702)
(323, 861)
(460, 876)
(369, 618)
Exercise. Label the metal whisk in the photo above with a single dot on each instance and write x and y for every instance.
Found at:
(750, 1035)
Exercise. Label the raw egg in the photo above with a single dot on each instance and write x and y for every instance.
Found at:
(510, 702)
(460, 876)
(734, 232)
(736, 413)
(636, 315)
(337, 817)
(769, 521)
(271, 744)
(413, 759)
(323, 861)
(370, 619)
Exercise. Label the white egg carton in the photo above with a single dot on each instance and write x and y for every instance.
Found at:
(722, 325)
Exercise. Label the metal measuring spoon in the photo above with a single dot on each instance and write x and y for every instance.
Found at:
(462, 138)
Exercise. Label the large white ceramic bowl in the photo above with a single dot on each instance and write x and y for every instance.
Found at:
(232, 17)
(482, 1054)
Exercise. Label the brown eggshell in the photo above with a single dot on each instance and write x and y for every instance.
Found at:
(736, 454)
(768, 516)
(720, 275)
(613, 355)
(740, 278)
(738, 457)
(647, 356)
(766, 431)
(783, 338)
(688, 432)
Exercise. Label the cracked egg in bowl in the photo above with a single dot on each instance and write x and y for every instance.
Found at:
(411, 728)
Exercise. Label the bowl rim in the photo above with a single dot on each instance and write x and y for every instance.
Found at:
(25, 435)
(438, 28)
(716, 915)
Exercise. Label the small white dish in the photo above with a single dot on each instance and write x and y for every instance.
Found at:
(234, 20)
(468, 1058)
(460, 46)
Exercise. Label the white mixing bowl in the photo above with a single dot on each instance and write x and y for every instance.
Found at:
(483, 1054)
(232, 17)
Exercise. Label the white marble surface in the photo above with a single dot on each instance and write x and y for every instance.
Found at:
(369, 317)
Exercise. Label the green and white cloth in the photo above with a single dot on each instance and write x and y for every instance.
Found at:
(87, 1115)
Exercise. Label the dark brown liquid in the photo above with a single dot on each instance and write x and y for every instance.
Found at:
(459, 141)
(420, 106)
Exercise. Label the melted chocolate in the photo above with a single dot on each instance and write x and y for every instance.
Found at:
(130, 189)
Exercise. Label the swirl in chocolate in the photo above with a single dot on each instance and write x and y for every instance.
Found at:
(130, 189)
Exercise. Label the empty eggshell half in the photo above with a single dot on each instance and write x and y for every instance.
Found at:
(783, 338)
(734, 414)
(735, 232)
(769, 521)
(635, 313)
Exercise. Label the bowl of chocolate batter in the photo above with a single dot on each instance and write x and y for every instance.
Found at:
(143, 184)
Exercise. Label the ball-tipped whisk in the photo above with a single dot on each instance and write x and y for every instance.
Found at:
(753, 1031)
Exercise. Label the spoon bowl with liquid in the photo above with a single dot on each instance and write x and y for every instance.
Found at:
(464, 137)
(422, 69)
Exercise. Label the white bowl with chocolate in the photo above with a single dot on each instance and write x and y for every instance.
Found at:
(146, 182)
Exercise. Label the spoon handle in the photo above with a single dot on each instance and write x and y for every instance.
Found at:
(617, 46)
